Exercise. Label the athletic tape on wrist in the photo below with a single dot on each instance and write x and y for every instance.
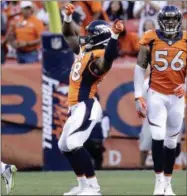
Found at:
(114, 36)
(67, 18)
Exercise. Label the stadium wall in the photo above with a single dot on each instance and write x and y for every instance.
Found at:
(21, 118)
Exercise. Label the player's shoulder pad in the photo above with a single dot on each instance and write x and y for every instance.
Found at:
(147, 37)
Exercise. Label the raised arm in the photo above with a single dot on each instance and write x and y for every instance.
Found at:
(68, 29)
(103, 64)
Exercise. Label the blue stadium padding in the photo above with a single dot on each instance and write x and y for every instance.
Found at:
(57, 57)
(57, 62)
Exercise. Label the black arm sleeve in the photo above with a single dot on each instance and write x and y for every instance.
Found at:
(100, 66)
(111, 53)
(111, 50)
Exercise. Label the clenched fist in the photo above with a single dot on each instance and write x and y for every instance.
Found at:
(69, 9)
(118, 26)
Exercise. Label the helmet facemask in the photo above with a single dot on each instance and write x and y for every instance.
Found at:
(170, 22)
(170, 25)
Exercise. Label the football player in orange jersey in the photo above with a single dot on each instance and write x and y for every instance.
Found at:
(92, 63)
(165, 49)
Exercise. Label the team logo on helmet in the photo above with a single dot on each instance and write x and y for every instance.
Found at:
(99, 33)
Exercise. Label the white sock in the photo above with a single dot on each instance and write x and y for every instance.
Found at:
(168, 179)
(93, 182)
(82, 181)
(160, 176)
(3, 165)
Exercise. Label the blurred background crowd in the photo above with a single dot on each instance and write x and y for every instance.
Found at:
(24, 21)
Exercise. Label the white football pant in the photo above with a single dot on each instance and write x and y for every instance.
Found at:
(78, 127)
(165, 116)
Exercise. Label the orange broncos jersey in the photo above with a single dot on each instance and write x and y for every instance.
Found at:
(83, 83)
(168, 60)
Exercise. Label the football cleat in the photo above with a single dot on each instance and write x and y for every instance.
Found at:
(8, 176)
(168, 189)
(159, 187)
(90, 191)
(74, 191)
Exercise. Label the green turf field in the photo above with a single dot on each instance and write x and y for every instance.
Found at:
(112, 183)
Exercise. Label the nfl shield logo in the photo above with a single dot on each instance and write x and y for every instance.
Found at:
(56, 43)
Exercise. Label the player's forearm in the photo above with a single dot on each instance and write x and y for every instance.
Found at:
(105, 63)
(111, 51)
(68, 28)
(139, 75)
(69, 34)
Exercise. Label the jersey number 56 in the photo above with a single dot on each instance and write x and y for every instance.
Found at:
(176, 64)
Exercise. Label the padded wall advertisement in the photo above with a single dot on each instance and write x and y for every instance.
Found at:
(26, 136)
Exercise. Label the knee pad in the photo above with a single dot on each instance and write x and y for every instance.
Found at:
(172, 135)
(175, 120)
(73, 143)
(170, 143)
